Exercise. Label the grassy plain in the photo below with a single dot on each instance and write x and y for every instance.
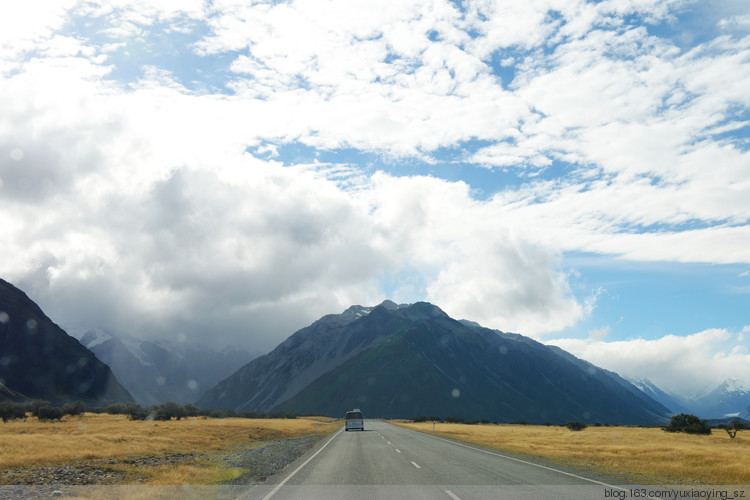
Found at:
(93, 437)
(640, 455)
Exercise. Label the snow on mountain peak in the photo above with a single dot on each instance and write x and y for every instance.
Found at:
(95, 337)
(735, 385)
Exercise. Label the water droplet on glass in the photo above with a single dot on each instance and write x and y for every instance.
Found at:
(16, 154)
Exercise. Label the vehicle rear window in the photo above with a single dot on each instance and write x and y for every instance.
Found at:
(353, 414)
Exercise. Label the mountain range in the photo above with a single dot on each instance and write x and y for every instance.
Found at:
(395, 360)
(729, 399)
(38, 360)
(413, 359)
(155, 371)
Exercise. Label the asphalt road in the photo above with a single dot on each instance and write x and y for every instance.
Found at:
(389, 462)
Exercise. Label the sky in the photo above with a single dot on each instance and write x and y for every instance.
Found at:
(228, 171)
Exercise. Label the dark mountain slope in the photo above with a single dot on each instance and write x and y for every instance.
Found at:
(415, 360)
(314, 350)
(40, 361)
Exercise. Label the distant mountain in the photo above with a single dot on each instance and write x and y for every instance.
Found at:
(410, 360)
(730, 398)
(674, 403)
(38, 360)
(158, 371)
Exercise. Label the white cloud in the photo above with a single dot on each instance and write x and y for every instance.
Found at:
(24, 24)
(472, 264)
(140, 198)
(141, 212)
(688, 365)
(599, 333)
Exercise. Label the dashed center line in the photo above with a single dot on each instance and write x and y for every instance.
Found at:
(415, 464)
(452, 495)
(397, 450)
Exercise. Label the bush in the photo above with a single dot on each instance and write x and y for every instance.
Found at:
(12, 411)
(454, 420)
(76, 408)
(34, 405)
(166, 411)
(732, 429)
(576, 426)
(689, 424)
(50, 413)
(192, 410)
(119, 408)
(137, 412)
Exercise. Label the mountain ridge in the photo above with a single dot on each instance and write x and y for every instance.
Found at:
(414, 359)
(39, 360)
(730, 398)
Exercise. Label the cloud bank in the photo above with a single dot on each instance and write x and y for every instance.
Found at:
(165, 167)
(689, 366)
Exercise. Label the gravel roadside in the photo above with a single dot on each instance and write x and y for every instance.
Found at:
(258, 461)
(261, 462)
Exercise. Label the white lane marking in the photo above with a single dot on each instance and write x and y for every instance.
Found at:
(388, 442)
(282, 483)
(397, 450)
(452, 495)
(415, 464)
(529, 463)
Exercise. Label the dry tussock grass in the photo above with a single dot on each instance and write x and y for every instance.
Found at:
(645, 453)
(32, 443)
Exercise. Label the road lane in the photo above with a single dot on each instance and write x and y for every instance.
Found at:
(390, 462)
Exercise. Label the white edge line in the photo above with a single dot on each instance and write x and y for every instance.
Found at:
(282, 483)
(452, 495)
(528, 463)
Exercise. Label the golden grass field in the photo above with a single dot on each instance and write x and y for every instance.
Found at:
(32, 443)
(640, 455)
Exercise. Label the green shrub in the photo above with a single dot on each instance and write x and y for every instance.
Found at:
(576, 426)
(50, 413)
(76, 408)
(168, 410)
(689, 424)
(732, 429)
(12, 411)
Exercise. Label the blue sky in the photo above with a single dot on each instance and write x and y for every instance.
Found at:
(228, 171)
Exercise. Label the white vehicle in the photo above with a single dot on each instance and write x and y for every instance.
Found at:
(354, 420)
